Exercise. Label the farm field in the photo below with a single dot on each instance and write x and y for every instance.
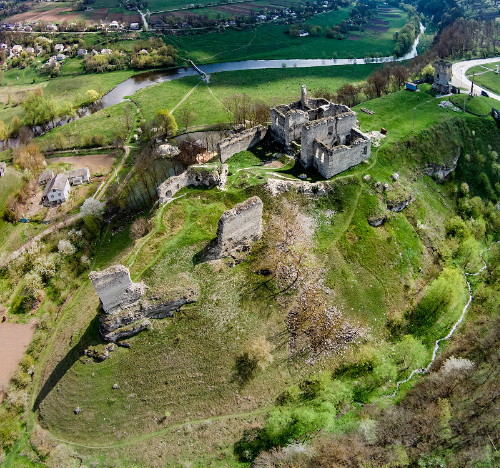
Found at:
(269, 41)
(485, 76)
(49, 12)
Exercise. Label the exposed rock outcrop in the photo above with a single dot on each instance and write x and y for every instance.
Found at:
(126, 309)
(398, 205)
(377, 221)
(444, 170)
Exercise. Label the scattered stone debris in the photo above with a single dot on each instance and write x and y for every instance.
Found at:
(395, 176)
(126, 308)
(278, 186)
(367, 177)
(377, 221)
(77, 410)
(376, 137)
(168, 150)
(386, 186)
(367, 111)
(449, 105)
(115, 386)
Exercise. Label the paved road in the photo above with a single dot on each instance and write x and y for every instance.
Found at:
(461, 81)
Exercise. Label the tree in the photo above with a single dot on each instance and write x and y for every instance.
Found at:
(165, 123)
(38, 110)
(186, 117)
(4, 130)
(29, 157)
(140, 227)
(92, 207)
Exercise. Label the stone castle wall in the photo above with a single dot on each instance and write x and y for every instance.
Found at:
(240, 226)
(329, 131)
(213, 175)
(240, 142)
(330, 161)
(126, 309)
(115, 288)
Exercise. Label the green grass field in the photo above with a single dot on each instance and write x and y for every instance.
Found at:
(272, 86)
(485, 76)
(65, 90)
(270, 42)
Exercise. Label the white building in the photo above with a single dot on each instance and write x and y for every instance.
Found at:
(59, 48)
(79, 176)
(56, 191)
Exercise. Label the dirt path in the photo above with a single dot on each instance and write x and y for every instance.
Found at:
(101, 190)
(51, 229)
(14, 340)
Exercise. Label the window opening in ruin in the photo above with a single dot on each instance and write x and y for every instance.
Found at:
(330, 131)
(365, 151)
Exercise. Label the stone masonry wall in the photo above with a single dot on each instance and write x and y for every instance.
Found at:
(240, 226)
(330, 131)
(213, 175)
(240, 142)
(126, 309)
(115, 288)
(331, 161)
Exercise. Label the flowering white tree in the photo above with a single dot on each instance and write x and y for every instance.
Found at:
(453, 364)
(65, 247)
(92, 207)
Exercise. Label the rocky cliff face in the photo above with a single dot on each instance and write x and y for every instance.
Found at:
(443, 171)
(126, 309)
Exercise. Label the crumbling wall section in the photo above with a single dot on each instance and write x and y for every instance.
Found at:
(330, 161)
(240, 142)
(115, 288)
(125, 308)
(213, 175)
(240, 226)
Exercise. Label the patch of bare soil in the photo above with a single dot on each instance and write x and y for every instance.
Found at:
(355, 37)
(14, 340)
(97, 163)
(274, 164)
(55, 14)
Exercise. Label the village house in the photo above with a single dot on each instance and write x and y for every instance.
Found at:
(114, 25)
(56, 191)
(51, 27)
(82, 52)
(135, 26)
(79, 176)
(30, 50)
(59, 48)
(106, 51)
(17, 49)
(45, 177)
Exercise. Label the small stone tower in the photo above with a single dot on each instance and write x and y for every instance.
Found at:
(303, 97)
(442, 76)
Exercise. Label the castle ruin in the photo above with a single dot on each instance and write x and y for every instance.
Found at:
(443, 74)
(327, 133)
(126, 308)
(239, 227)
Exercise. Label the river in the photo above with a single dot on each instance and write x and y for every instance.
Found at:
(127, 88)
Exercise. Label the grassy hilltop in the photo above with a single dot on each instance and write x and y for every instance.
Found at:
(181, 395)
